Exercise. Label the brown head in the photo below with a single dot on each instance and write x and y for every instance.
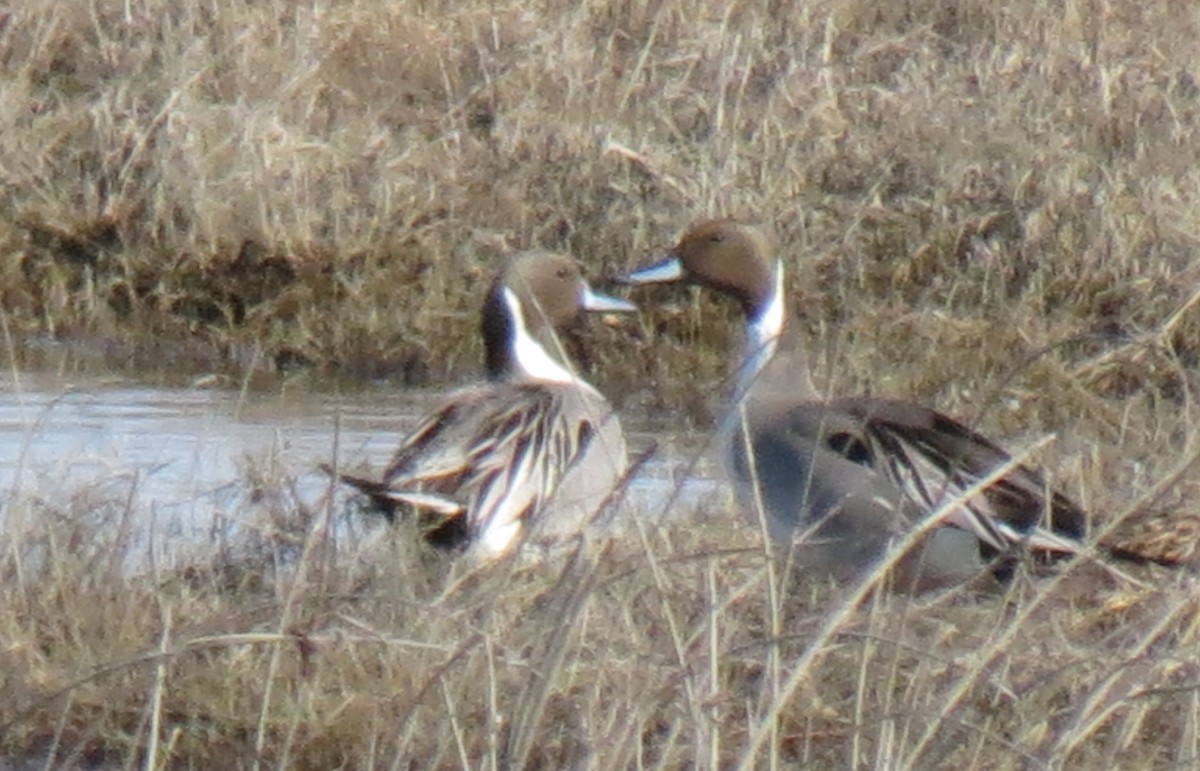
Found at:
(548, 291)
(721, 254)
(736, 259)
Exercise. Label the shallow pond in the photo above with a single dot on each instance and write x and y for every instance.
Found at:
(183, 459)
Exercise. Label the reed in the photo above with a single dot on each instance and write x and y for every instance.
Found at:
(660, 647)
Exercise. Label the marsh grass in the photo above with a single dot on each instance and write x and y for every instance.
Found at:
(677, 645)
(329, 186)
(990, 208)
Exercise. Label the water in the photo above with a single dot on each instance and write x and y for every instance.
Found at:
(187, 462)
(184, 458)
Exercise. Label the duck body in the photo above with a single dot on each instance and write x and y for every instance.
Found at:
(852, 475)
(841, 479)
(495, 457)
(535, 448)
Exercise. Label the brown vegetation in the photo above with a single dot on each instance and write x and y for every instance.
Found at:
(676, 647)
(989, 207)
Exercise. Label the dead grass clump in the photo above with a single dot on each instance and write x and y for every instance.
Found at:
(662, 649)
(326, 185)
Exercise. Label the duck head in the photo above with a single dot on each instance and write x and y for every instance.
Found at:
(536, 294)
(722, 254)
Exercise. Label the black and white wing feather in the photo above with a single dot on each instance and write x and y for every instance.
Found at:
(490, 457)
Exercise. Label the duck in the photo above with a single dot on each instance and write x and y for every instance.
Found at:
(840, 479)
(532, 448)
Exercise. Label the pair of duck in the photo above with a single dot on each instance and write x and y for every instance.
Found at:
(536, 448)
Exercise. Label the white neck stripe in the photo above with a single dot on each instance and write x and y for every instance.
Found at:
(530, 359)
(769, 324)
(762, 334)
(762, 340)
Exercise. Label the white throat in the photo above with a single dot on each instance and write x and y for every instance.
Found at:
(762, 336)
(531, 361)
(762, 341)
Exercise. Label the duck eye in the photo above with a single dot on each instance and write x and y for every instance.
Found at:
(716, 238)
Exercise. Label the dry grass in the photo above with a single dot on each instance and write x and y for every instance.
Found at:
(329, 185)
(672, 648)
(989, 207)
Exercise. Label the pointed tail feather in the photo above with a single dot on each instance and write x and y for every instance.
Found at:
(386, 499)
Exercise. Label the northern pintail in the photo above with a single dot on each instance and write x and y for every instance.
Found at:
(535, 447)
(841, 479)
